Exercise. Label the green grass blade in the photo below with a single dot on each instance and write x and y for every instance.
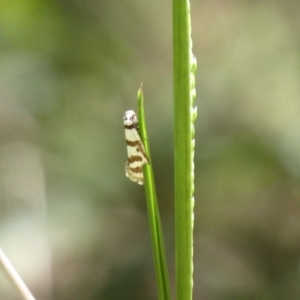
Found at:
(184, 117)
(160, 261)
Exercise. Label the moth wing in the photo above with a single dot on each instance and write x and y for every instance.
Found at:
(137, 157)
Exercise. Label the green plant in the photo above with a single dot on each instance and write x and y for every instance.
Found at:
(184, 117)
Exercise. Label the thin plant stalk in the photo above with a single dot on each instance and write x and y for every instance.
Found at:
(184, 65)
(14, 277)
(160, 261)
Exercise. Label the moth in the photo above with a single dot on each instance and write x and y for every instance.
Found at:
(137, 157)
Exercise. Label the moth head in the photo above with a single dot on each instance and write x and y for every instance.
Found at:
(130, 118)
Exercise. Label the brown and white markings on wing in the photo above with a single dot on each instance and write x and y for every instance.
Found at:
(137, 157)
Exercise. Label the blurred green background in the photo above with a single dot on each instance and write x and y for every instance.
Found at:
(71, 222)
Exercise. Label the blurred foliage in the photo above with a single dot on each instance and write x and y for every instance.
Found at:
(71, 222)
